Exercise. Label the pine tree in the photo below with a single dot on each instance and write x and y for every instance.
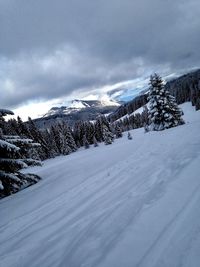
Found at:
(38, 137)
(145, 114)
(10, 127)
(64, 147)
(28, 149)
(108, 136)
(70, 139)
(22, 128)
(99, 129)
(89, 131)
(77, 134)
(3, 124)
(50, 140)
(118, 131)
(95, 141)
(54, 132)
(146, 128)
(85, 142)
(67, 142)
(11, 161)
(129, 136)
(198, 104)
(164, 112)
(78, 145)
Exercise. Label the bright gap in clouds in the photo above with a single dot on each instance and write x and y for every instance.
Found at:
(33, 110)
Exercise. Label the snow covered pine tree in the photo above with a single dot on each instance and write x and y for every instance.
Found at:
(118, 131)
(85, 142)
(95, 141)
(108, 136)
(129, 136)
(11, 180)
(164, 112)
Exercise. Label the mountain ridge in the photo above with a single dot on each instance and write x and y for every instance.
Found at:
(78, 110)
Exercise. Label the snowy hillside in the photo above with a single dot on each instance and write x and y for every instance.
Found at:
(133, 203)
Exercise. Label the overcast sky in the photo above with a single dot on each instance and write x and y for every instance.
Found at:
(53, 50)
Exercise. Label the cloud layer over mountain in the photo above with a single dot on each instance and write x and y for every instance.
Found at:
(50, 49)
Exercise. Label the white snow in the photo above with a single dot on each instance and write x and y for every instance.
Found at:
(77, 104)
(133, 203)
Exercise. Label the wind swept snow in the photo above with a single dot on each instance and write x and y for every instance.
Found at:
(133, 203)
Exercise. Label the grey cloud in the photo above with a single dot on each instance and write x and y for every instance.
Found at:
(51, 48)
(47, 76)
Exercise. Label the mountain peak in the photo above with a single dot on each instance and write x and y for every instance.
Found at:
(82, 110)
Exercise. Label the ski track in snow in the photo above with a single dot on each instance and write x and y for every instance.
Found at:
(134, 203)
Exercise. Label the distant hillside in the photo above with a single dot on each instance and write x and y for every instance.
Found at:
(77, 110)
(186, 87)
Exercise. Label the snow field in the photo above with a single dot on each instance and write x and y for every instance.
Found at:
(132, 203)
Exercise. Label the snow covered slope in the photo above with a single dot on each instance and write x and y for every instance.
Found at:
(133, 203)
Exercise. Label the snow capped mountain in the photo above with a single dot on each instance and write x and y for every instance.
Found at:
(77, 109)
(77, 105)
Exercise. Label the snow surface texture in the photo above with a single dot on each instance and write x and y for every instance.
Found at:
(133, 203)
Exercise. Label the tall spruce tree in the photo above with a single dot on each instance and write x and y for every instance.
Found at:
(95, 141)
(69, 138)
(67, 142)
(28, 149)
(50, 140)
(108, 136)
(164, 112)
(85, 142)
(129, 136)
(11, 162)
(99, 129)
(118, 131)
(22, 128)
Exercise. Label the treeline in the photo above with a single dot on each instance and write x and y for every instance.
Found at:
(23, 144)
(60, 139)
(186, 88)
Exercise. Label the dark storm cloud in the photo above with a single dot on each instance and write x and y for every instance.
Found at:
(50, 48)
